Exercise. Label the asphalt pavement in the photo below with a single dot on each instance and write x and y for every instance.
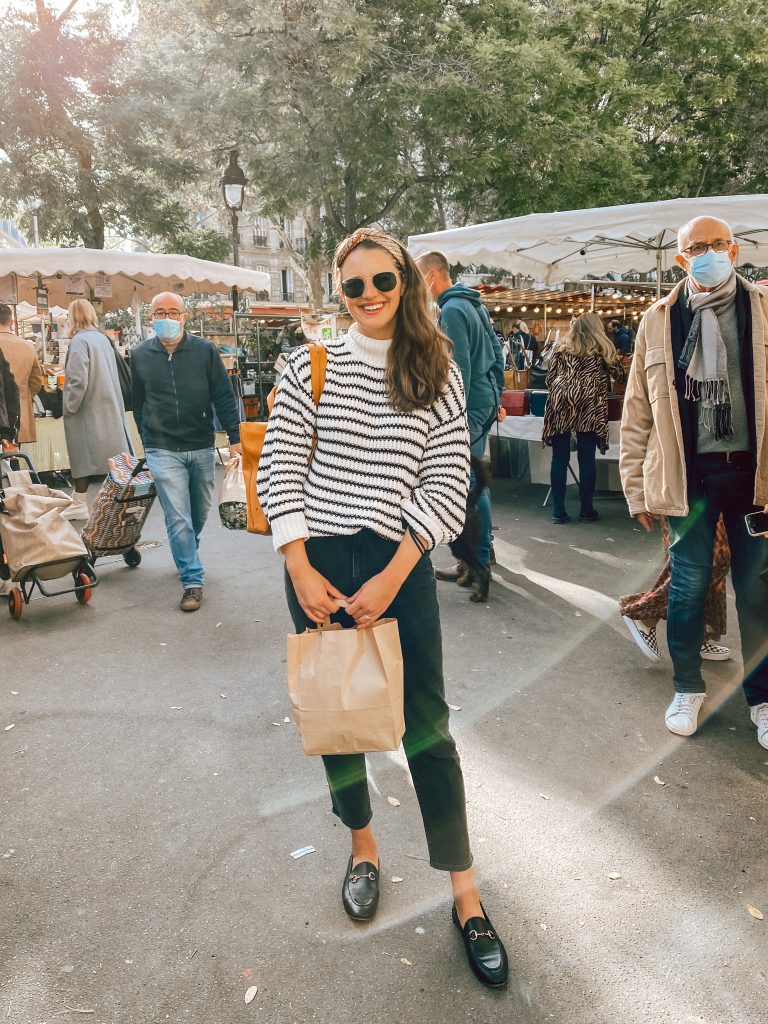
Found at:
(152, 792)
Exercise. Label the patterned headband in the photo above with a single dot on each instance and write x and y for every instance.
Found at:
(384, 241)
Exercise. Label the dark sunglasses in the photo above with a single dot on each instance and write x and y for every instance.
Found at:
(355, 286)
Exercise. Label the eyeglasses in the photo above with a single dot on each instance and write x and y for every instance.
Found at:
(699, 248)
(171, 314)
(354, 287)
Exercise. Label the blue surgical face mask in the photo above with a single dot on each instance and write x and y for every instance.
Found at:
(167, 329)
(711, 268)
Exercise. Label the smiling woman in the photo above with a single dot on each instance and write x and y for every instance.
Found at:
(355, 516)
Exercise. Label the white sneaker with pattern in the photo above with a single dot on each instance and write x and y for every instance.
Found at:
(759, 715)
(682, 716)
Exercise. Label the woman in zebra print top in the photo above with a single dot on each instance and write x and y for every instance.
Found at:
(578, 379)
(355, 521)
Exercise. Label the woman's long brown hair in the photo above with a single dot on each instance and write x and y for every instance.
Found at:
(419, 358)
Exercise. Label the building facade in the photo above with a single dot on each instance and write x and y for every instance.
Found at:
(266, 244)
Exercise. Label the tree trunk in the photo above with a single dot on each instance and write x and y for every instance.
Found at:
(316, 260)
(93, 238)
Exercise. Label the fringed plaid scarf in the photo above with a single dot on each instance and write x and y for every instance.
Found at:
(705, 357)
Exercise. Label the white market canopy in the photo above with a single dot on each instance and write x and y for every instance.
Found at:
(557, 247)
(120, 277)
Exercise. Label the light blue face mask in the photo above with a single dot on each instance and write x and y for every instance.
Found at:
(711, 268)
(168, 330)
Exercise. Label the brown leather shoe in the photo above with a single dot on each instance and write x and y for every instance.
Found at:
(191, 599)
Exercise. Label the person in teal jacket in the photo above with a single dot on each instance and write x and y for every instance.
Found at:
(478, 354)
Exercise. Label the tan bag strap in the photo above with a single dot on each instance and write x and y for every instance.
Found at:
(318, 360)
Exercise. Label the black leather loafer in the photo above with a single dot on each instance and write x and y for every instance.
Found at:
(360, 892)
(485, 950)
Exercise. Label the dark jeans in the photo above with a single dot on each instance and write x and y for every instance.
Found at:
(349, 562)
(691, 550)
(586, 447)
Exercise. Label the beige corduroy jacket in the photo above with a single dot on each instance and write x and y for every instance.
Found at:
(652, 458)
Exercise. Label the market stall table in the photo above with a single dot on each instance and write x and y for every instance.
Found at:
(49, 453)
(529, 429)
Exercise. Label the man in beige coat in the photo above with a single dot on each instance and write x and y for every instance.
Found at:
(694, 446)
(25, 369)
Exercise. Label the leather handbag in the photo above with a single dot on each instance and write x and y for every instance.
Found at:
(615, 407)
(537, 401)
(252, 439)
(517, 380)
(515, 403)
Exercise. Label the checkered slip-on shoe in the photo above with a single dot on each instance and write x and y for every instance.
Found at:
(644, 638)
(714, 652)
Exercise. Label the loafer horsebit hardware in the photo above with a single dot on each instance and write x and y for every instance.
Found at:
(474, 935)
(359, 878)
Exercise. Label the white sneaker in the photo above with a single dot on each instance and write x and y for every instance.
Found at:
(682, 715)
(77, 510)
(644, 638)
(714, 652)
(759, 715)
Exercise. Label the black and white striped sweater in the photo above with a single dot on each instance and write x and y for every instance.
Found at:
(373, 468)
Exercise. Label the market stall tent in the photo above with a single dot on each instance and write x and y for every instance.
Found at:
(119, 279)
(557, 247)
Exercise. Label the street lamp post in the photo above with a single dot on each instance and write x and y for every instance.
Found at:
(233, 186)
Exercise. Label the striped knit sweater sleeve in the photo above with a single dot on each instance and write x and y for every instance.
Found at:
(373, 468)
(436, 508)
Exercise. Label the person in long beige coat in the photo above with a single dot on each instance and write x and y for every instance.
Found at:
(26, 372)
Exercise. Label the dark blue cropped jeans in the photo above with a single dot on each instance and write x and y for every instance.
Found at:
(349, 562)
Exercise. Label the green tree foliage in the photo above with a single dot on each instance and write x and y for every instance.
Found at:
(73, 136)
(415, 114)
(684, 79)
(203, 243)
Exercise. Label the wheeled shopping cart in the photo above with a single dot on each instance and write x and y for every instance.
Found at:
(37, 544)
(120, 510)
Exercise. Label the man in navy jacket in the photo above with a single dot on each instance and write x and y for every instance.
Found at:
(178, 382)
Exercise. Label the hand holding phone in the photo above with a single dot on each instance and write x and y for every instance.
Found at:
(757, 524)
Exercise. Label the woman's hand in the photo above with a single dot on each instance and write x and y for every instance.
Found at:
(316, 595)
(372, 599)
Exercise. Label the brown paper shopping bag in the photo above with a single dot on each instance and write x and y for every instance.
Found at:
(346, 688)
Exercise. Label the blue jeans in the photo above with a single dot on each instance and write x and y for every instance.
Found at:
(483, 507)
(691, 552)
(184, 482)
(586, 447)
